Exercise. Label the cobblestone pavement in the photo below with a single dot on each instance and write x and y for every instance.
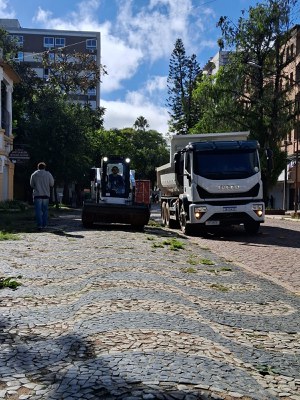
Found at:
(109, 313)
(273, 253)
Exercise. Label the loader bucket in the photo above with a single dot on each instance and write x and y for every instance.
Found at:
(136, 215)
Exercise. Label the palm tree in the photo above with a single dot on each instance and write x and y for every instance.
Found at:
(141, 123)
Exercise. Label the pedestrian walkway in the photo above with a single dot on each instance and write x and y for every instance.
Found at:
(110, 313)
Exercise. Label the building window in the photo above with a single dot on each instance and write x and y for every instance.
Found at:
(60, 42)
(46, 73)
(48, 42)
(298, 72)
(91, 44)
(19, 56)
(51, 56)
(19, 39)
(91, 92)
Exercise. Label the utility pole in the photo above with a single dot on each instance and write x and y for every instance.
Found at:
(296, 137)
(284, 202)
(296, 197)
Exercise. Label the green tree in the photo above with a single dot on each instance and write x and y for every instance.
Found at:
(183, 75)
(256, 76)
(8, 46)
(219, 110)
(146, 150)
(72, 72)
(62, 134)
(141, 123)
(49, 126)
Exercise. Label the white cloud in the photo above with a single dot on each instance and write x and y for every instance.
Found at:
(121, 60)
(156, 83)
(5, 11)
(155, 28)
(82, 19)
(42, 16)
(121, 114)
(142, 33)
(139, 36)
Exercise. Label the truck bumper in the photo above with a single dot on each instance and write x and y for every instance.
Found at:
(227, 214)
(136, 214)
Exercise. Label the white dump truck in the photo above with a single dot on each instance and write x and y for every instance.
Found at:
(212, 180)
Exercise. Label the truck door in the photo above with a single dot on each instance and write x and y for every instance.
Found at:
(187, 172)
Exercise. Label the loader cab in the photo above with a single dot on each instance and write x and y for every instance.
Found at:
(115, 180)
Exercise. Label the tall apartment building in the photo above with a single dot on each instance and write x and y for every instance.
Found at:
(220, 59)
(34, 42)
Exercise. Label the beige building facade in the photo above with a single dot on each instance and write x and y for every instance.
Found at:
(287, 191)
(7, 79)
(292, 74)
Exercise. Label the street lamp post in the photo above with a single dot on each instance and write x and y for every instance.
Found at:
(296, 197)
(284, 202)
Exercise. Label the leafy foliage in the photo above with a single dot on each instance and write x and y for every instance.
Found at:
(8, 205)
(9, 47)
(61, 133)
(9, 282)
(146, 149)
(141, 123)
(72, 72)
(261, 88)
(251, 92)
(184, 73)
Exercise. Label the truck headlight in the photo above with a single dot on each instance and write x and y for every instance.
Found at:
(199, 211)
(258, 209)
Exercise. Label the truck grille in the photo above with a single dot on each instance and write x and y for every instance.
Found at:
(204, 194)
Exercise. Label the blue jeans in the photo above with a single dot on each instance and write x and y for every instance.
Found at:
(41, 212)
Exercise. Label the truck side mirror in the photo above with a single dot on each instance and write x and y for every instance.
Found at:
(177, 163)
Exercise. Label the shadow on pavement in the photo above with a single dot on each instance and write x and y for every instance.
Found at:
(72, 370)
(267, 236)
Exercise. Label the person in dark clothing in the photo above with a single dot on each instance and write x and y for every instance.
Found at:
(41, 181)
(116, 181)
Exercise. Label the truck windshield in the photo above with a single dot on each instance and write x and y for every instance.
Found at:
(226, 164)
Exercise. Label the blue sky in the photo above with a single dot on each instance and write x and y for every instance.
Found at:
(137, 39)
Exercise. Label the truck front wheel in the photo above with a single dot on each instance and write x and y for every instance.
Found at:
(186, 228)
(252, 227)
(170, 223)
(163, 213)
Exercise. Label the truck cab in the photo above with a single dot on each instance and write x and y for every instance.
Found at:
(211, 182)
